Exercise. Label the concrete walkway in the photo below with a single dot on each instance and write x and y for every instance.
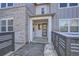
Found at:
(32, 49)
(36, 49)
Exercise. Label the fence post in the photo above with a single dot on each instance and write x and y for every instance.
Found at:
(68, 47)
(53, 38)
(57, 43)
(13, 43)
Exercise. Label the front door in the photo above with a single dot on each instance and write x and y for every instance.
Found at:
(44, 30)
(40, 30)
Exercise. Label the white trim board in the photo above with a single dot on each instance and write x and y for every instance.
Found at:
(49, 27)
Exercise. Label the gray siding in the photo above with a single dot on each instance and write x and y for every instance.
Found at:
(29, 6)
(63, 13)
(68, 13)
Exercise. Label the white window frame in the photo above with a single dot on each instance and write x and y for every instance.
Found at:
(69, 24)
(6, 24)
(6, 6)
(67, 6)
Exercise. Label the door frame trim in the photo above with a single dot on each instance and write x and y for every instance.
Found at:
(49, 18)
(46, 28)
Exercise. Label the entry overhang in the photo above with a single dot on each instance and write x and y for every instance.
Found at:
(43, 15)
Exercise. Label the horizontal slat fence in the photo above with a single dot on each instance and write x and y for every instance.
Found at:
(65, 45)
(6, 42)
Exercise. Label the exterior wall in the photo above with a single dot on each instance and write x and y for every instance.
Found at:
(19, 22)
(39, 7)
(19, 4)
(29, 6)
(21, 16)
(63, 13)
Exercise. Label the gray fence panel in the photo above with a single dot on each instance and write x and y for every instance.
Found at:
(6, 42)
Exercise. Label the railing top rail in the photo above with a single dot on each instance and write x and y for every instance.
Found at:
(5, 33)
(68, 35)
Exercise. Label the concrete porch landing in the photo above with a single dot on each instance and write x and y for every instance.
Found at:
(40, 40)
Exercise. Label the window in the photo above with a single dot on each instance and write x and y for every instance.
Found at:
(63, 24)
(6, 25)
(70, 25)
(63, 5)
(3, 25)
(73, 4)
(74, 25)
(10, 4)
(6, 5)
(10, 25)
(67, 5)
(3, 5)
(42, 10)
